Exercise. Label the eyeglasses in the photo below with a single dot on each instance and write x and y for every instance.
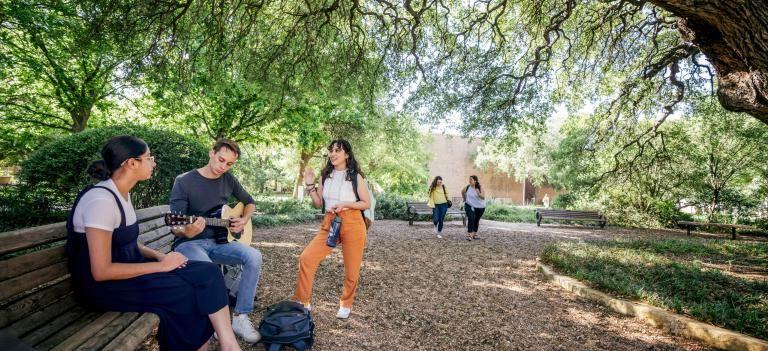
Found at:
(151, 158)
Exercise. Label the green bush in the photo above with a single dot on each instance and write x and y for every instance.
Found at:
(60, 166)
(564, 201)
(23, 206)
(274, 211)
(281, 205)
(497, 211)
(392, 206)
(667, 213)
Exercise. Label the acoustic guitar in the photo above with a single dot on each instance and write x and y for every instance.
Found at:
(179, 221)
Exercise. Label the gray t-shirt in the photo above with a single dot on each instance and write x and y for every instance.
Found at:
(195, 195)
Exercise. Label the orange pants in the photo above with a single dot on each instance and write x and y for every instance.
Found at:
(352, 241)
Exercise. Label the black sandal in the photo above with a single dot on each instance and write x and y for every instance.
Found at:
(469, 238)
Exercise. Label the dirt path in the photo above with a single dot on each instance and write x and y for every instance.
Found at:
(418, 292)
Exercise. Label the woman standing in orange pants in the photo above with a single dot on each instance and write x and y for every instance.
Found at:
(335, 192)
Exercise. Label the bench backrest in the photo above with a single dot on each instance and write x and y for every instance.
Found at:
(722, 225)
(33, 269)
(568, 213)
(418, 206)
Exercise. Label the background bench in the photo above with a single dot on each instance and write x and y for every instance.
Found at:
(414, 209)
(37, 309)
(690, 225)
(563, 215)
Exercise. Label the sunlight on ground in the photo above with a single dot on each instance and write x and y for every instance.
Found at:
(268, 244)
(374, 266)
(508, 285)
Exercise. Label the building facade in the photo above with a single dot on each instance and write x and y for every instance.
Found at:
(453, 159)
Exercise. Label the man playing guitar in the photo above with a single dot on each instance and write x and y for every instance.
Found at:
(197, 193)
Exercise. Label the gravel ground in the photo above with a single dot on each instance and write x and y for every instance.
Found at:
(418, 292)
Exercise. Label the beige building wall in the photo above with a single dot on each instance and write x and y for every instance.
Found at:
(453, 159)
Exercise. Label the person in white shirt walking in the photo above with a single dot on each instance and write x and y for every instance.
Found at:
(474, 206)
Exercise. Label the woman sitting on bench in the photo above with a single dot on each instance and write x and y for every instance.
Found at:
(112, 272)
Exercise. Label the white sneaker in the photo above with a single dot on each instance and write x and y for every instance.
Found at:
(439, 236)
(343, 312)
(243, 328)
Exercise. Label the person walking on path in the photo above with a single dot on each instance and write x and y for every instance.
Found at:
(439, 202)
(337, 195)
(474, 206)
(111, 271)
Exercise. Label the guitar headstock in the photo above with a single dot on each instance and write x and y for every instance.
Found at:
(177, 220)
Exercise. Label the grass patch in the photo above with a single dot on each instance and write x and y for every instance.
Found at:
(676, 275)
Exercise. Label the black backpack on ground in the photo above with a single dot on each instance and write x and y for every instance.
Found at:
(287, 323)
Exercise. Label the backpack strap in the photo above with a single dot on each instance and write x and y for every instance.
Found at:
(301, 345)
(357, 196)
(70, 219)
(273, 347)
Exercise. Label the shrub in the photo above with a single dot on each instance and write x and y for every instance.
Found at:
(23, 206)
(60, 166)
(497, 211)
(392, 206)
(667, 213)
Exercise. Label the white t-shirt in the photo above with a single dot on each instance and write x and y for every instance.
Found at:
(337, 189)
(98, 209)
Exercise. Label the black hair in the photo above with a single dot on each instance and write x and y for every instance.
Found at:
(352, 166)
(476, 182)
(114, 153)
(434, 184)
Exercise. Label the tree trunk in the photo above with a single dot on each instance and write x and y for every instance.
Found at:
(715, 203)
(80, 116)
(732, 34)
(303, 162)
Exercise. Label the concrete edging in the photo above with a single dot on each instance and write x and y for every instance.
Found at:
(674, 323)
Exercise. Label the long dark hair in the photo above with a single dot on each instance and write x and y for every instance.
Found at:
(353, 169)
(476, 182)
(114, 153)
(434, 184)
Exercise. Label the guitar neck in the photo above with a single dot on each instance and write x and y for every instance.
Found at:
(216, 222)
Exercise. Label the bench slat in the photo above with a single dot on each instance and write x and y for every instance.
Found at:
(153, 235)
(26, 263)
(18, 309)
(30, 237)
(134, 334)
(573, 219)
(150, 213)
(42, 316)
(721, 225)
(149, 225)
(42, 332)
(32, 279)
(75, 340)
(106, 334)
(68, 331)
(166, 240)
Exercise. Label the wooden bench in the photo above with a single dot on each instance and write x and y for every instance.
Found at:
(569, 215)
(37, 309)
(690, 225)
(414, 209)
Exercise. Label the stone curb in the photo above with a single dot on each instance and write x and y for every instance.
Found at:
(674, 323)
